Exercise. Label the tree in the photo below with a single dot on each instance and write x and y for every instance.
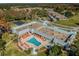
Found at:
(64, 53)
(56, 50)
(42, 13)
(77, 52)
(6, 37)
(42, 54)
(72, 51)
(33, 13)
(28, 51)
(76, 43)
(58, 9)
(4, 24)
(2, 47)
(75, 47)
(68, 14)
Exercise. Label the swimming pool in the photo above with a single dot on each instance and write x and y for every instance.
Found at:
(34, 41)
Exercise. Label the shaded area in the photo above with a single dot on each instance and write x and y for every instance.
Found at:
(18, 23)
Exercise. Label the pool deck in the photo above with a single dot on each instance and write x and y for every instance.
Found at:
(24, 44)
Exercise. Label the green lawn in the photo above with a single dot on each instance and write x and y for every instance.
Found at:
(70, 22)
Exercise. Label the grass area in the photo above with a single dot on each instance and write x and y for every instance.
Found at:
(12, 50)
(73, 21)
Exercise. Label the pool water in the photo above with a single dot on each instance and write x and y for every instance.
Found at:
(34, 41)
